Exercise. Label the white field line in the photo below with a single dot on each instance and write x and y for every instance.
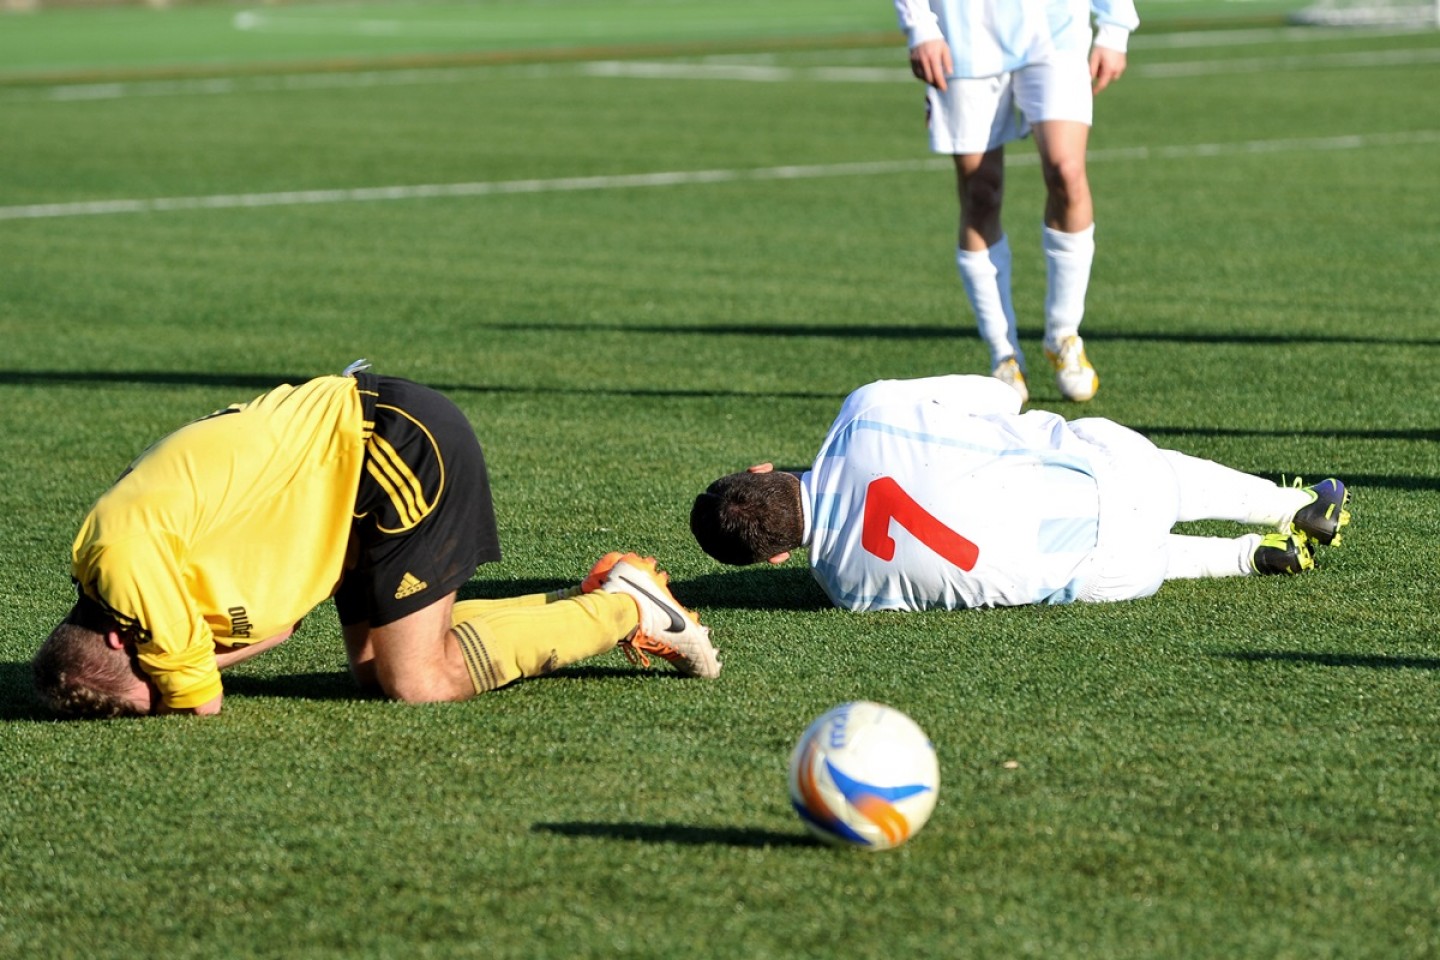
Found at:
(298, 22)
(745, 73)
(1323, 61)
(1190, 39)
(711, 70)
(281, 83)
(678, 178)
(760, 73)
(295, 22)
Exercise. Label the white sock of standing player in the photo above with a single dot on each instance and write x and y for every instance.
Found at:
(1068, 258)
(986, 277)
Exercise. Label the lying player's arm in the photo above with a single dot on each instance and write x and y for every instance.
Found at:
(207, 709)
(226, 656)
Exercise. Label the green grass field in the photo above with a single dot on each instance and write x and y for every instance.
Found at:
(635, 272)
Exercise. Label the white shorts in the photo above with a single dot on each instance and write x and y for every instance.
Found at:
(977, 115)
(1139, 504)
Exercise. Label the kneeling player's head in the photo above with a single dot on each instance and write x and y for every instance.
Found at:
(85, 669)
(749, 517)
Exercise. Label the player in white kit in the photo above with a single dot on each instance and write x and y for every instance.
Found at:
(940, 493)
(995, 71)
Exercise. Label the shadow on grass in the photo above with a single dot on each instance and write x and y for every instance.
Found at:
(658, 670)
(255, 383)
(753, 588)
(17, 697)
(680, 833)
(1369, 661)
(896, 331)
(335, 685)
(1432, 436)
(732, 588)
(264, 381)
(1357, 481)
(154, 378)
(18, 701)
(484, 589)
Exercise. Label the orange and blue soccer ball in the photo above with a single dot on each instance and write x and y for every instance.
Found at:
(864, 775)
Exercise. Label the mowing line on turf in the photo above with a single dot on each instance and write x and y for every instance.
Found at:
(711, 70)
(40, 211)
(763, 73)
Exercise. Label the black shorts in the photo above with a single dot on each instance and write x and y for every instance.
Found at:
(423, 516)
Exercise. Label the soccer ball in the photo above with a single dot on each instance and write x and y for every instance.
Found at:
(864, 775)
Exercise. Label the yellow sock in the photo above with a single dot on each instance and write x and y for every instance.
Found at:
(504, 640)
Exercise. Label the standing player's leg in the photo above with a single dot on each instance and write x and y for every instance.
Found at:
(1056, 98)
(1068, 240)
(1069, 205)
(972, 120)
(982, 257)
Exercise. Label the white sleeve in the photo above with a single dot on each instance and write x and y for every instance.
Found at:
(1111, 37)
(1115, 20)
(918, 22)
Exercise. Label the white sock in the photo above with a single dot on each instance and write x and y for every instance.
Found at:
(1068, 257)
(1213, 491)
(1193, 558)
(986, 276)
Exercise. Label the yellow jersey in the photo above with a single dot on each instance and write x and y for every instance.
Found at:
(233, 527)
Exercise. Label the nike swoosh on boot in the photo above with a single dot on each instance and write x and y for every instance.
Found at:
(677, 622)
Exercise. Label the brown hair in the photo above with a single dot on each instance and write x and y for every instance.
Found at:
(748, 518)
(76, 674)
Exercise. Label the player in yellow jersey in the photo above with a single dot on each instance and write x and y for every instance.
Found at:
(214, 544)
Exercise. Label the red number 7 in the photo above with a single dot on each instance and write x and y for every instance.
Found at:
(885, 501)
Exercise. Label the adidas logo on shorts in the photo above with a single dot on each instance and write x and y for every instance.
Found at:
(409, 586)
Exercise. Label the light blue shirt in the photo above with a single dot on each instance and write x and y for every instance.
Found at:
(991, 37)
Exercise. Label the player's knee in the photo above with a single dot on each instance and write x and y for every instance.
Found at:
(1066, 180)
(413, 692)
(980, 199)
(413, 686)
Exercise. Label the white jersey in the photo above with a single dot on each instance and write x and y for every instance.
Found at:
(940, 493)
(991, 37)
